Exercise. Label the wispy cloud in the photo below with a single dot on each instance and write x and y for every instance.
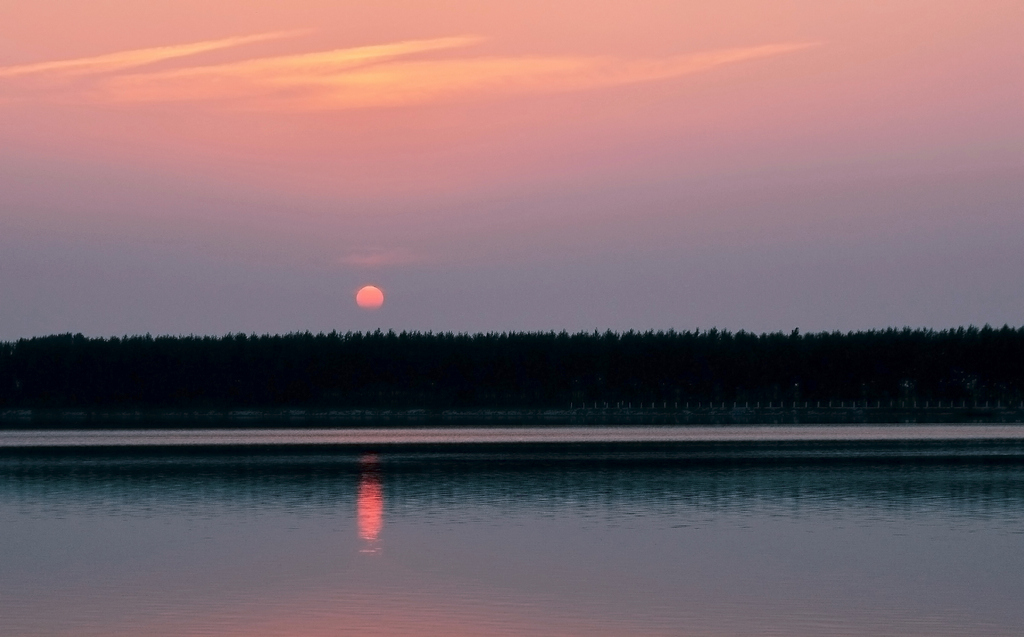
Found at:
(129, 59)
(258, 77)
(378, 258)
(362, 78)
(370, 76)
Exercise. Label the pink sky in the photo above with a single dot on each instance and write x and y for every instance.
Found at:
(209, 166)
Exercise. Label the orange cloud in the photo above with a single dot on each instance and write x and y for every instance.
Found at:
(254, 78)
(365, 77)
(357, 78)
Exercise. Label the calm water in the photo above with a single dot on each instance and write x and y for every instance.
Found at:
(716, 536)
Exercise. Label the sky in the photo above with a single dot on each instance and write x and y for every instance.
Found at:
(215, 166)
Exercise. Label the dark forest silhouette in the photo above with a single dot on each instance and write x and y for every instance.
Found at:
(508, 370)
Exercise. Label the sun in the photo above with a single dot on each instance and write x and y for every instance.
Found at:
(369, 297)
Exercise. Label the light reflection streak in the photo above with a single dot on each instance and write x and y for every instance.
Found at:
(370, 502)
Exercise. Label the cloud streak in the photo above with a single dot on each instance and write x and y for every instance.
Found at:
(369, 76)
(262, 76)
(348, 79)
(378, 258)
(112, 62)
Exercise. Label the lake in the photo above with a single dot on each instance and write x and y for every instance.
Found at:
(512, 531)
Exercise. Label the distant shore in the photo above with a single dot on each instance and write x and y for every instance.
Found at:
(893, 375)
(994, 440)
(705, 413)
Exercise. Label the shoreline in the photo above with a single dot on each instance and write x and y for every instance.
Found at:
(717, 413)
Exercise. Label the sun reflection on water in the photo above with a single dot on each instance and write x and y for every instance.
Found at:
(370, 502)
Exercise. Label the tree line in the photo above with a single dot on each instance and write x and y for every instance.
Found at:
(513, 370)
